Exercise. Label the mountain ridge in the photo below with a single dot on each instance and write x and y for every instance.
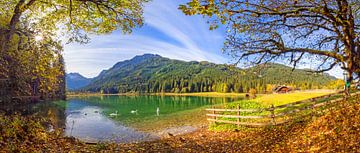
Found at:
(151, 73)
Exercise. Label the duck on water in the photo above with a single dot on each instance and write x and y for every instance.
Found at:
(134, 111)
(114, 114)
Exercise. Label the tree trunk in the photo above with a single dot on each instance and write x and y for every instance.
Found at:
(15, 19)
(348, 83)
(6, 45)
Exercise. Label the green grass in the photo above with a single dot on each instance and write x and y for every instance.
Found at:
(265, 101)
(219, 127)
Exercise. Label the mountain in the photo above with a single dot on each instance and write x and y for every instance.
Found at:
(277, 74)
(76, 81)
(152, 73)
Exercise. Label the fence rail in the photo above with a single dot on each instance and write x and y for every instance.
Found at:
(276, 115)
(233, 110)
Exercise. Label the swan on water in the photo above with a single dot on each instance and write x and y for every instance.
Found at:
(134, 111)
(114, 114)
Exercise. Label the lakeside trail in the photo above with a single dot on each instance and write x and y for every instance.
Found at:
(333, 130)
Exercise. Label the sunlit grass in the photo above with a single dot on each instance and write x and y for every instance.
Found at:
(281, 99)
(265, 101)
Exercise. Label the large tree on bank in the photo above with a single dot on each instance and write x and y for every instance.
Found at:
(30, 50)
(326, 31)
(73, 16)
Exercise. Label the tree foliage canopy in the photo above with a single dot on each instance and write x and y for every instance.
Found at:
(31, 60)
(74, 17)
(296, 30)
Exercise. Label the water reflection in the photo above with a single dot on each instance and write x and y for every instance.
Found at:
(54, 114)
(89, 124)
(122, 118)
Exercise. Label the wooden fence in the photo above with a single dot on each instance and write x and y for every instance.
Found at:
(274, 115)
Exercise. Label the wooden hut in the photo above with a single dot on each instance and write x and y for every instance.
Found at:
(282, 89)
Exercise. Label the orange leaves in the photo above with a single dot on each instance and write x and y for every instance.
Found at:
(336, 130)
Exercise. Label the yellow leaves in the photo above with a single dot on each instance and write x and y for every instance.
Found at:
(335, 131)
(42, 136)
(194, 7)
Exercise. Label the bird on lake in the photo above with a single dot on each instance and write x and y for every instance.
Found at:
(114, 114)
(134, 111)
(158, 111)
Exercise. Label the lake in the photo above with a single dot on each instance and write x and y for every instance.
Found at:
(126, 118)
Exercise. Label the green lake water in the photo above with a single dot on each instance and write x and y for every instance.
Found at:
(126, 118)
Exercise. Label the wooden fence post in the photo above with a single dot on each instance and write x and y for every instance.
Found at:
(238, 114)
(214, 114)
(272, 110)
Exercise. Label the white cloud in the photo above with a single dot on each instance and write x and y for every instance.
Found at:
(167, 32)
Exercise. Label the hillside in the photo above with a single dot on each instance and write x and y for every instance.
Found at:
(152, 73)
(277, 73)
(76, 81)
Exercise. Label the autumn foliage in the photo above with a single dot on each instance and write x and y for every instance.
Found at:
(31, 35)
(332, 130)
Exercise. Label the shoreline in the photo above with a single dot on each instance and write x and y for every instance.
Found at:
(198, 94)
(153, 136)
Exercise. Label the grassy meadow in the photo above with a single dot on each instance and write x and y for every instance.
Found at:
(265, 101)
(281, 99)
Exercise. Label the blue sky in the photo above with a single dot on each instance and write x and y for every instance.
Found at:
(167, 32)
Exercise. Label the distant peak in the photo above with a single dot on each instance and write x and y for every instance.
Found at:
(135, 60)
(147, 56)
(75, 75)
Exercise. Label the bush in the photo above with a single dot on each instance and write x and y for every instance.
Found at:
(252, 92)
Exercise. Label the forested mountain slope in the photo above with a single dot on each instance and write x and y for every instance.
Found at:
(152, 73)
